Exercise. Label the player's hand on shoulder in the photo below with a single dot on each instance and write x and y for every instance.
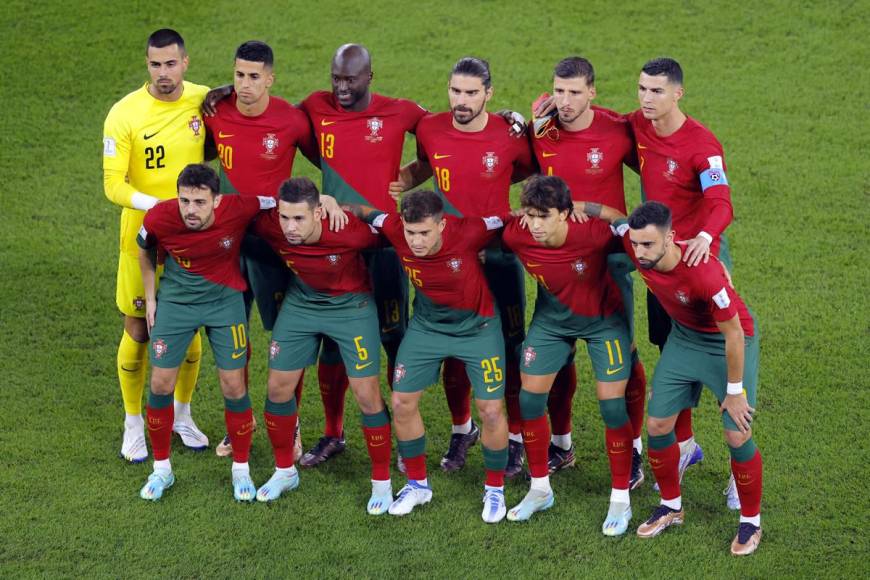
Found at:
(578, 213)
(516, 122)
(213, 97)
(738, 408)
(337, 216)
(543, 105)
(697, 249)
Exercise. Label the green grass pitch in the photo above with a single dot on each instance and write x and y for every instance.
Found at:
(784, 86)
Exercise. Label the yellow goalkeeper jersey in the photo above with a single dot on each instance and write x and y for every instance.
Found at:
(146, 144)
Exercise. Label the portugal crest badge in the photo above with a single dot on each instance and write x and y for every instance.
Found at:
(375, 125)
(226, 242)
(159, 347)
(490, 161)
(274, 350)
(595, 157)
(270, 142)
(195, 125)
(455, 264)
(399, 373)
(682, 297)
(529, 356)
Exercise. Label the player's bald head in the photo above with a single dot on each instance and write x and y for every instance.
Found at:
(352, 58)
(351, 76)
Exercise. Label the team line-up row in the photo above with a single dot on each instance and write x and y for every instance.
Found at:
(223, 252)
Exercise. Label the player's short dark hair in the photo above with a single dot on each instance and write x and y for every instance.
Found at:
(650, 212)
(299, 190)
(543, 192)
(256, 51)
(472, 66)
(199, 175)
(574, 67)
(164, 37)
(418, 205)
(664, 66)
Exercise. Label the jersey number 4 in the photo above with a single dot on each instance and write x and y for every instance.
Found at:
(154, 157)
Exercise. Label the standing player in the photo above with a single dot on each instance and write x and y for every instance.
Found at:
(330, 295)
(256, 136)
(454, 316)
(681, 165)
(148, 138)
(360, 136)
(587, 146)
(714, 341)
(577, 298)
(202, 285)
(474, 160)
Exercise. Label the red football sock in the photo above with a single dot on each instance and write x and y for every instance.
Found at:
(333, 386)
(282, 434)
(683, 427)
(748, 476)
(457, 389)
(495, 477)
(415, 467)
(536, 438)
(619, 453)
(240, 427)
(160, 430)
(635, 398)
(562, 398)
(512, 396)
(665, 464)
(379, 441)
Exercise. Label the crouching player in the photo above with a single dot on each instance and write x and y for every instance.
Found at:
(329, 296)
(577, 298)
(714, 341)
(202, 285)
(454, 316)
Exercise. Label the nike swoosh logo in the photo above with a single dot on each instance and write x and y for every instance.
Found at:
(614, 371)
(546, 154)
(494, 389)
(404, 259)
(239, 354)
(325, 123)
(381, 444)
(242, 433)
(360, 367)
(125, 369)
(387, 329)
(147, 136)
(222, 135)
(639, 146)
(437, 156)
(530, 265)
(616, 452)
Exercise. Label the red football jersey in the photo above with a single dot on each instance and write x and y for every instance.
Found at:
(697, 296)
(361, 152)
(256, 153)
(334, 265)
(451, 283)
(686, 172)
(576, 272)
(590, 161)
(472, 171)
(201, 259)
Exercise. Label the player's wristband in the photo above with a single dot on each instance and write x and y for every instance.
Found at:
(734, 388)
(143, 201)
(706, 236)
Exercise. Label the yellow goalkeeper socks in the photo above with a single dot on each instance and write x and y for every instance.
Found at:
(132, 359)
(189, 371)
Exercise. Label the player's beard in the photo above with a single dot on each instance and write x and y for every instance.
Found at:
(466, 121)
(166, 86)
(568, 120)
(650, 264)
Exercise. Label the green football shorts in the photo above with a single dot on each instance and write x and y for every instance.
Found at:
(422, 351)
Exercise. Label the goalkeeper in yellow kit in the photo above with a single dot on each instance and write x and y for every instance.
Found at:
(149, 137)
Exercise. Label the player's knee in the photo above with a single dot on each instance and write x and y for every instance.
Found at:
(232, 383)
(403, 406)
(659, 425)
(491, 413)
(367, 394)
(736, 439)
(162, 383)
